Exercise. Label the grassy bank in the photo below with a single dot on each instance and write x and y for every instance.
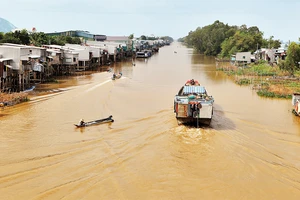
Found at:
(269, 81)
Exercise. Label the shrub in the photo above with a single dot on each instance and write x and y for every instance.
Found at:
(243, 81)
(266, 93)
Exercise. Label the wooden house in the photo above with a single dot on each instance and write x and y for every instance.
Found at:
(20, 65)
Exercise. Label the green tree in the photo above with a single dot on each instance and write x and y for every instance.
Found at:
(39, 38)
(208, 40)
(10, 38)
(143, 37)
(23, 36)
(1, 35)
(58, 40)
(68, 39)
(76, 40)
(244, 40)
(291, 63)
(181, 39)
(131, 36)
(270, 43)
(170, 39)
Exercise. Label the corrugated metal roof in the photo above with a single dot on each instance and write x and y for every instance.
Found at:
(5, 59)
(53, 50)
(34, 56)
(194, 89)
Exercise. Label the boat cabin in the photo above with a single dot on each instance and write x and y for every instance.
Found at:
(186, 90)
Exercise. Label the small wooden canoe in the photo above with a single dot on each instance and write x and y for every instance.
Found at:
(114, 77)
(98, 121)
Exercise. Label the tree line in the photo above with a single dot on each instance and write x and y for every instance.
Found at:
(144, 37)
(40, 38)
(36, 38)
(223, 40)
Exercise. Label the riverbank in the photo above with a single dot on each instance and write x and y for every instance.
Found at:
(49, 86)
(268, 81)
(13, 98)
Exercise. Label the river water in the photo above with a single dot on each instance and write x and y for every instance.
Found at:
(250, 150)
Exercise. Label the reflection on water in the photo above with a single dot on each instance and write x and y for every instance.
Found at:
(250, 151)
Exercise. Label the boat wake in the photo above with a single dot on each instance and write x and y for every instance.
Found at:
(98, 85)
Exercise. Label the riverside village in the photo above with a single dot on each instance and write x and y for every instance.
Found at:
(24, 66)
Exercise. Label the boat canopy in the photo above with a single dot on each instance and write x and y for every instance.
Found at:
(194, 89)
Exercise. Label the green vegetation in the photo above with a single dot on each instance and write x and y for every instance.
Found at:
(224, 40)
(262, 69)
(271, 82)
(292, 61)
(266, 93)
(243, 81)
(167, 38)
(36, 38)
(51, 80)
(131, 36)
(208, 40)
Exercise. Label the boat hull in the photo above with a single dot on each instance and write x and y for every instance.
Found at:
(187, 115)
(194, 121)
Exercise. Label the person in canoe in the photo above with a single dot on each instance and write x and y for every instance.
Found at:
(117, 76)
(192, 82)
(81, 122)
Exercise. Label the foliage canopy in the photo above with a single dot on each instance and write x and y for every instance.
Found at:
(36, 38)
(224, 40)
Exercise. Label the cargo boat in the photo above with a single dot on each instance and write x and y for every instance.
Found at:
(192, 104)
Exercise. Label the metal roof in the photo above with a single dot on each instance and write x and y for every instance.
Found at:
(53, 50)
(34, 56)
(5, 59)
(21, 46)
(194, 89)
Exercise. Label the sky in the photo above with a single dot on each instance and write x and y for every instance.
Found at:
(174, 18)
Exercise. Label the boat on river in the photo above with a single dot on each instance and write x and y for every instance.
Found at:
(143, 54)
(116, 76)
(296, 104)
(193, 105)
(30, 89)
(94, 122)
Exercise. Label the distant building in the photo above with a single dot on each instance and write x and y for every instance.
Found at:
(78, 33)
(266, 54)
(243, 58)
(19, 64)
(280, 53)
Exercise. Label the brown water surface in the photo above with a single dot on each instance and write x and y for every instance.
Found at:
(250, 151)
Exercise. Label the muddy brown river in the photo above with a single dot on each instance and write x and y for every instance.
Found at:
(251, 150)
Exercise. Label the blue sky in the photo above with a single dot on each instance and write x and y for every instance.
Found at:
(175, 18)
